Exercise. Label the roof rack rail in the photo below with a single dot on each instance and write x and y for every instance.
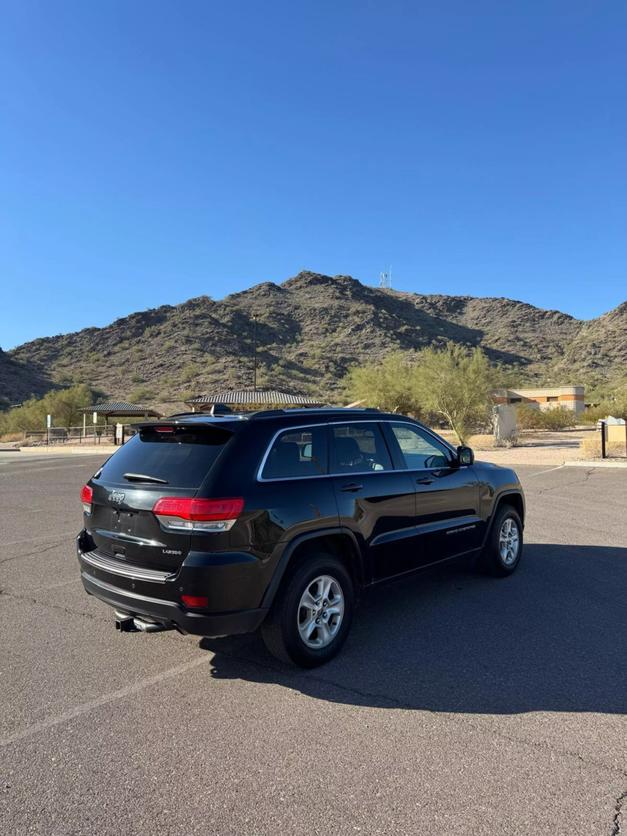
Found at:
(217, 410)
(270, 413)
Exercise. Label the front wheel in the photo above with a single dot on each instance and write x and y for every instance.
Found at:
(503, 550)
(312, 613)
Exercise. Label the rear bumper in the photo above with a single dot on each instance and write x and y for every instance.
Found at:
(155, 601)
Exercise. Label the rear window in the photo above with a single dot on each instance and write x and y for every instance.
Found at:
(180, 456)
(358, 448)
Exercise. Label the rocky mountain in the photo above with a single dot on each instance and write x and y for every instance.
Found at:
(309, 330)
(19, 381)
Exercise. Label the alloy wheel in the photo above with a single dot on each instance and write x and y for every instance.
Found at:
(509, 541)
(320, 611)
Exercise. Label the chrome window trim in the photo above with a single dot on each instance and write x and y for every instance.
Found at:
(261, 478)
(283, 430)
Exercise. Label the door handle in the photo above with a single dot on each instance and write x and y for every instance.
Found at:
(426, 480)
(351, 487)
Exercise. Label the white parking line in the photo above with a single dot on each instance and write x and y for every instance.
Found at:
(86, 707)
(549, 470)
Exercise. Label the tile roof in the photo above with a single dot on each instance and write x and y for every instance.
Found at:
(252, 396)
(120, 408)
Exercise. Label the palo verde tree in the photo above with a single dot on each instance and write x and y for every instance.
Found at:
(388, 384)
(452, 383)
(455, 383)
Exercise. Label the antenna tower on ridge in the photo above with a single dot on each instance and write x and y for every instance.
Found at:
(385, 278)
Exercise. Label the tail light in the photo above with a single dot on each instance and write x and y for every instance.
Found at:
(86, 496)
(177, 513)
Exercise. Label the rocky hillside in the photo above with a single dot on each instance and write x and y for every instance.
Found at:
(309, 331)
(19, 381)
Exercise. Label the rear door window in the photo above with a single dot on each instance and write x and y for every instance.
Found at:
(297, 453)
(180, 456)
(358, 448)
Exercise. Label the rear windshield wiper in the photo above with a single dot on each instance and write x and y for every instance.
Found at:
(141, 477)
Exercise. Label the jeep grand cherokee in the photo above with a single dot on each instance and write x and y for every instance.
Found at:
(225, 523)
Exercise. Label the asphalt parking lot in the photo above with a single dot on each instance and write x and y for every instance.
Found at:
(460, 704)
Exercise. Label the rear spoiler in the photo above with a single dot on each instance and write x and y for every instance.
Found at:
(183, 420)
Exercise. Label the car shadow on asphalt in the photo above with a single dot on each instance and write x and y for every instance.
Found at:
(549, 638)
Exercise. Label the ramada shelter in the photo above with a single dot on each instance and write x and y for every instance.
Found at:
(568, 397)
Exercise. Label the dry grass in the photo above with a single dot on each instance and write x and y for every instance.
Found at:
(482, 441)
(591, 447)
(479, 441)
(12, 437)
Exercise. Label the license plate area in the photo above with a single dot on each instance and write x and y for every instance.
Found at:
(123, 522)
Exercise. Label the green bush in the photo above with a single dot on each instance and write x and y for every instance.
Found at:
(616, 407)
(141, 394)
(530, 418)
(63, 404)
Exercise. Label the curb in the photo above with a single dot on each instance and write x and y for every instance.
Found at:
(59, 450)
(598, 463)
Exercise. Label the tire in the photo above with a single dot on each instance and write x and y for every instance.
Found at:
(291, 619)
(498, 558)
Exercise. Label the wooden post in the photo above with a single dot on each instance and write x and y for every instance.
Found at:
(603, 449)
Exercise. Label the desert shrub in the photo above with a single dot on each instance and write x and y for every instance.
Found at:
(559, 418)
(6, 437)
(530, 418)
(141, 393)
(191, 372)
(616, 407)
(63, 404)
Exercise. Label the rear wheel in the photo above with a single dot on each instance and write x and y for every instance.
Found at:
(312, 613)
(503, 550)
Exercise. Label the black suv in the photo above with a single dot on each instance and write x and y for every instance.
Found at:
(220, 524)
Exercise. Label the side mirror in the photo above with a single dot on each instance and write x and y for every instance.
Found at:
(465, 456)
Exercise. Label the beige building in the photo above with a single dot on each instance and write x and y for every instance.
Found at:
(568, 397)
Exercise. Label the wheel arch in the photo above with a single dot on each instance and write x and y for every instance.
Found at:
(340, 542)
(513, 498)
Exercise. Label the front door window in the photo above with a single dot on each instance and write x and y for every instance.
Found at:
(420, 451)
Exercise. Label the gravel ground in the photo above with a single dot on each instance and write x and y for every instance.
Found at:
(459, 705)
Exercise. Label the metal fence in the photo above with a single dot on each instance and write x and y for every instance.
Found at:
(92, 434)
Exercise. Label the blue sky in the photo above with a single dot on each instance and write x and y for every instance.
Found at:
(152, 151)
